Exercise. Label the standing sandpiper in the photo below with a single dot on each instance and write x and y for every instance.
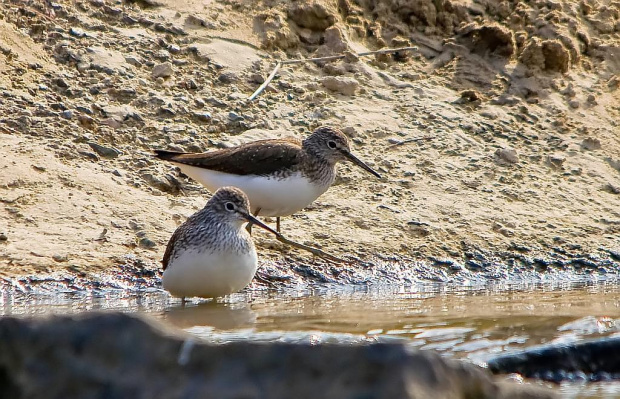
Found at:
(211, 254)
(279, 176)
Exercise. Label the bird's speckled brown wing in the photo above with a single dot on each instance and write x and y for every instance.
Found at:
(263, 157)
(170, 247)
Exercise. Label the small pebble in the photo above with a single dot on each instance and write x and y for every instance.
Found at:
(146, 243)
(470, 96)
(591, 144)
(233, 116)
(202, 116)
(515, 377)
(162, 55)
(164, 70)
(77, 32)
(60, 82)
(135, 226)
(106, 152)
(60, 258)
(228, 77)
(133, 60)
(89, 155)
(113, 123)
(191, 84)
(603, 376)
(84, 110)
(610, 188)
(580, 376)
(86, 120)
(350, 131)
(555, 161)
(507, 155)
(343, 85)
(257, 78)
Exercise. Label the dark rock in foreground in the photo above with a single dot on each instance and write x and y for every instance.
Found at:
(114, 355)
(595, 360)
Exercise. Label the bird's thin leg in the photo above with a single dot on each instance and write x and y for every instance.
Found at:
(249, 226)
(278, 224)
(312, 250)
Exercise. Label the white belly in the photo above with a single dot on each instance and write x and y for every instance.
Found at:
(274, 197)
(209, 275)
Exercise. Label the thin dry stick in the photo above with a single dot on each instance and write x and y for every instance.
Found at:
(266, 82)
(329, 58)
(339, 56)
(410, 141)
(314, 251)
(39, 13)
(9, 130)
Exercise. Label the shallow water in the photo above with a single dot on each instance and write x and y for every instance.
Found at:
(472, 323)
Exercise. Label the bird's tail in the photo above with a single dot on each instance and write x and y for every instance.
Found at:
(166, 155)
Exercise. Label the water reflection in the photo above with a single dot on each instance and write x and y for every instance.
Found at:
(220, 316)
(606, 390)
(474, 323)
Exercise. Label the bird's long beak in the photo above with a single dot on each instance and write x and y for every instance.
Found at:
(359, 163)
(257, 222)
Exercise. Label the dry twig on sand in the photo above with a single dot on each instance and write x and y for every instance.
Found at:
(413, 140)
(323, 59)
(266, 82)
(312, 250)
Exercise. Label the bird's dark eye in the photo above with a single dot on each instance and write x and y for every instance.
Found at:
(332, 144)
(230, 206)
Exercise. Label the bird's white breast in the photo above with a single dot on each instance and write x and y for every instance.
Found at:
(209, 274)
(274, 197)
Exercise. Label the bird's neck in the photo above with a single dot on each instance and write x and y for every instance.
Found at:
(316, 166)
(320, 171)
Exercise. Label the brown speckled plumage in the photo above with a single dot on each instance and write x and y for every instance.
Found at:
(277, 158)
(213, 228)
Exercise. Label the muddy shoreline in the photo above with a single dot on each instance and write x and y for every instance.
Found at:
(518, 175)
(134, 276)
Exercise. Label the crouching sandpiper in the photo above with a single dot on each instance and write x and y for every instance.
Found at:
(211, 254)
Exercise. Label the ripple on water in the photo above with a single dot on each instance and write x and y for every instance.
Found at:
(474, 322)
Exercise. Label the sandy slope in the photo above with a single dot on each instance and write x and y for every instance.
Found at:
(525, 167)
